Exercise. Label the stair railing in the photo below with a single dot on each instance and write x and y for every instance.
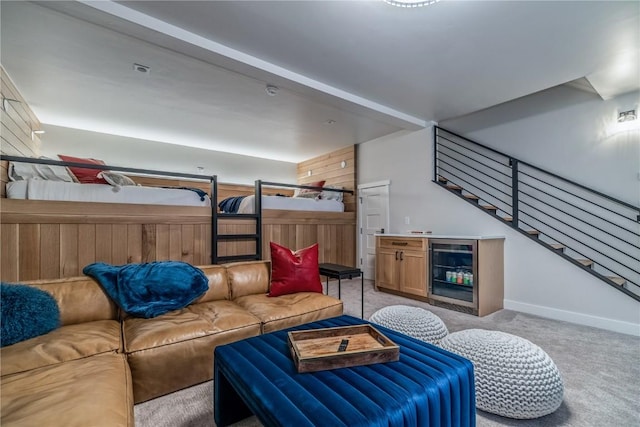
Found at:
(593, 230)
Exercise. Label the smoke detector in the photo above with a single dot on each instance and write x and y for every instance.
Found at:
(142, 68)
(271, 90)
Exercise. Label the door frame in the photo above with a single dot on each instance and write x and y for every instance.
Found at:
(359, 241)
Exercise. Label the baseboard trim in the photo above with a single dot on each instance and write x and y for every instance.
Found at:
(573, 317)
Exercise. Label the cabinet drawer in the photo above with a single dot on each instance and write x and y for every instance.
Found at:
(412, 243)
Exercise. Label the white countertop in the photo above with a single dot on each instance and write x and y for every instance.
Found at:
(438, 236)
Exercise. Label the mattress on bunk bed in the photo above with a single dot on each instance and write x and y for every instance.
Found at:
(291, 204)
(35, 189)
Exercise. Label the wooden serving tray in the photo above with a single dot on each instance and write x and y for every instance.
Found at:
(317, 349)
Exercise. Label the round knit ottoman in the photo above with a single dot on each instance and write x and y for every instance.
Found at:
(514, 377)
(413, 321)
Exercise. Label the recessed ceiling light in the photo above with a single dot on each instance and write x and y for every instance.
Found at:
(142, 68)
(329, 122)
(411, 3)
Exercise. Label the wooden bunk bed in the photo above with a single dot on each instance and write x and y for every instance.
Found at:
(42, 239)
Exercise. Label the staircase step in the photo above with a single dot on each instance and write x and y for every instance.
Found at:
(617, 280)
(558, 247)
(507, 218)
(454, 187)
(442, 179)
(490, 208)
(534, 233)
(472, 197)
(585, 262)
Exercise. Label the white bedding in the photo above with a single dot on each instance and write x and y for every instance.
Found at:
(36, 189)
(291, 204)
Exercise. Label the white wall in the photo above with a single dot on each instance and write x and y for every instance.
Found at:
(568, 132)
(129, 152)
(536, 280)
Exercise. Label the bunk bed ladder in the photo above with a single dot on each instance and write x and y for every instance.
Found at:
(216, 237)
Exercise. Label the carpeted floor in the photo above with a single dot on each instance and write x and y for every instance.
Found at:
(600, 369)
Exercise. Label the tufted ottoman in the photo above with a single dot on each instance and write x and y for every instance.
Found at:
(413, 321)
(514, 377)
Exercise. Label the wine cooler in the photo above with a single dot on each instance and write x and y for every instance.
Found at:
(454, 274)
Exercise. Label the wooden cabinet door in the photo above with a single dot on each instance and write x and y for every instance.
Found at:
(413, 273)
(387, 269)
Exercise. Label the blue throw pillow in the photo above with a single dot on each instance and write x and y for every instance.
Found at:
(150, 289)
(27, 312)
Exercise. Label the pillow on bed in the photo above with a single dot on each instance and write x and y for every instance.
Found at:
(332, 195)
(19, 171)
(116, 179)
(84, 175)
(300, 191)
(293, 272)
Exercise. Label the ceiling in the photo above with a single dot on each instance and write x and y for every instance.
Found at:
(347, 71)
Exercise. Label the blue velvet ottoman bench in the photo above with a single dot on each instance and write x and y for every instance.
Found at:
(428, 386)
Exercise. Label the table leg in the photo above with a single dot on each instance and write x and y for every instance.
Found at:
(327, 284)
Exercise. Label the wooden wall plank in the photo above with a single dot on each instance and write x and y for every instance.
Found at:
(187, 236)
(134, 243)
(9, 252)
(148, 242)
(69, 250)
(162, 242)
(29, 252)
(175, 242)
(86, 245)
(119, 244)
(17, 122)
(50, 247)
(103, 243)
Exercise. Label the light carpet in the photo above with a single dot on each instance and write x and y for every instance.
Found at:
(600, 369)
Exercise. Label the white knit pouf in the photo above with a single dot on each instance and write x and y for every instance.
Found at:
(514, 377)
(413, 321)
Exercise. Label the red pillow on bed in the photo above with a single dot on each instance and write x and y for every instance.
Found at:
(84, 175)
(293, 272)
(312, 184)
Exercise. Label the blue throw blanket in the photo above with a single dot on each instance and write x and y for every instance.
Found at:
(150, 289)
(231, 204)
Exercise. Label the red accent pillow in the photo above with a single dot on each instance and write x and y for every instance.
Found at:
(293, 272)
(312, 184)
(84, 175)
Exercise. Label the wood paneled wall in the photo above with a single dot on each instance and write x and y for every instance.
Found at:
(47, 240)
(17, 122)
(328, 168)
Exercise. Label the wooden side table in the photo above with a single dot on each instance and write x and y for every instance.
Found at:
(337, 271)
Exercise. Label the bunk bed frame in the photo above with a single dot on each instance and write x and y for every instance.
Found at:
(256, 217)
(54, 239)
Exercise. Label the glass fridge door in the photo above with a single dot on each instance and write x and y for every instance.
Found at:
(452, 271)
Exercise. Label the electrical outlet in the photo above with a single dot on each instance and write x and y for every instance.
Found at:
(407, 220)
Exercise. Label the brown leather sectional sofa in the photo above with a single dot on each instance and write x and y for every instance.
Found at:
(92, 369)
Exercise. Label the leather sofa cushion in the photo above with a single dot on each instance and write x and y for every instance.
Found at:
(192, 322)
(218, 283)
(247, 278)
(95, 391)
(61, 345)
(80, 299)
(175, 350)
(290, 310)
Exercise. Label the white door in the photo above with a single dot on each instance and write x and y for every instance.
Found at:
(373, 218)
